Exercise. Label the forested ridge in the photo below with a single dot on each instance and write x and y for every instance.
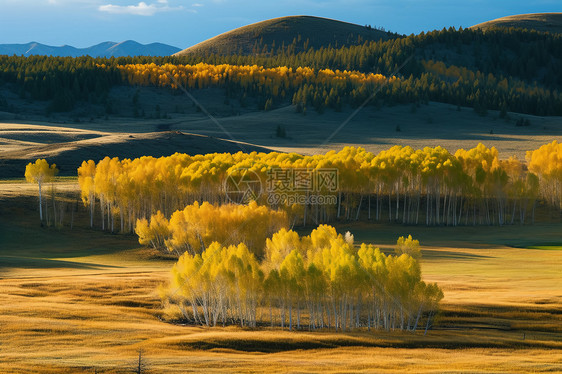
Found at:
(509, 70)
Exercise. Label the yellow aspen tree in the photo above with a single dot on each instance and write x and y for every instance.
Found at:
(408, 246)
(86, 175)
(154, 233)
(40, 172)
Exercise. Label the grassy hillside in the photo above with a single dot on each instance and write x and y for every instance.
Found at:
(549, 22)
(68, 147)
(303, 32)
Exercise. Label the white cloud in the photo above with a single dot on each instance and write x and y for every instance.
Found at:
(141, 9)
(70, 2)
(197, 5)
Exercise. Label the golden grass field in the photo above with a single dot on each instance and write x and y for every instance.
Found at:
(85, 301)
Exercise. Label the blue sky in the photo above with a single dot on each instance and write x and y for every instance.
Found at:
(183, 23)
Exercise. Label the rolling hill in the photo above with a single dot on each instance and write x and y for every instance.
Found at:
(68, 147)
(550, 22)
(302, 31)
(105, 49)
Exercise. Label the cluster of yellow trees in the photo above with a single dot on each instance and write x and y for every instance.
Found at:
(204, 75)
(271, 83)
(317, 281)
(546, 163)
(428, 185)
(194, 228)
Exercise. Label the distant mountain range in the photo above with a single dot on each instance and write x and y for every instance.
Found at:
(106, 49)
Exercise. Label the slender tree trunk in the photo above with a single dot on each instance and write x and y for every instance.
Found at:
(378, 205)
(53, 204)
(339, 204)
(404, 212)
(418, 317)
(305, 213)
(390, 206)
(92, 206)
(428, 322)
(418, 205)
(290, 314)
(359, 207)
(428, 203)
(369, 207)
(397, 201)
(40, 203)
(102, 212)
(298, 315)
(460, 210)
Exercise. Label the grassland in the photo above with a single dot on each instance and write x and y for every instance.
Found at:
(85, 301)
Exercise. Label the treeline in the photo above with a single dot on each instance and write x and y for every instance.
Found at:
(429, 185)
(320, 281)
(63, 80)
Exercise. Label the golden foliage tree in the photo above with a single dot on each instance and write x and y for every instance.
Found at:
(40, 172)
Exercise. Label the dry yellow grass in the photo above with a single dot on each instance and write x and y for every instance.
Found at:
(85, 301)
(100, 320)
(545, 22)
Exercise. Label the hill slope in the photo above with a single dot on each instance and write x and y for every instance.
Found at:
(105, 49)
(551, 22)
(68, 147)
(302, 31)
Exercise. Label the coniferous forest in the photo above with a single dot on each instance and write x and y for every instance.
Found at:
(508, 70)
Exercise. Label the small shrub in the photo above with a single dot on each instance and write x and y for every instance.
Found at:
(280, 132)
(523, 122)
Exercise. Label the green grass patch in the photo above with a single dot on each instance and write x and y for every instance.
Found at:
(546, 247)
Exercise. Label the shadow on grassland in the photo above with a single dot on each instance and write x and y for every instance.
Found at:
(45, 263)
(443, 340)
(23, 238)
(451, 255)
